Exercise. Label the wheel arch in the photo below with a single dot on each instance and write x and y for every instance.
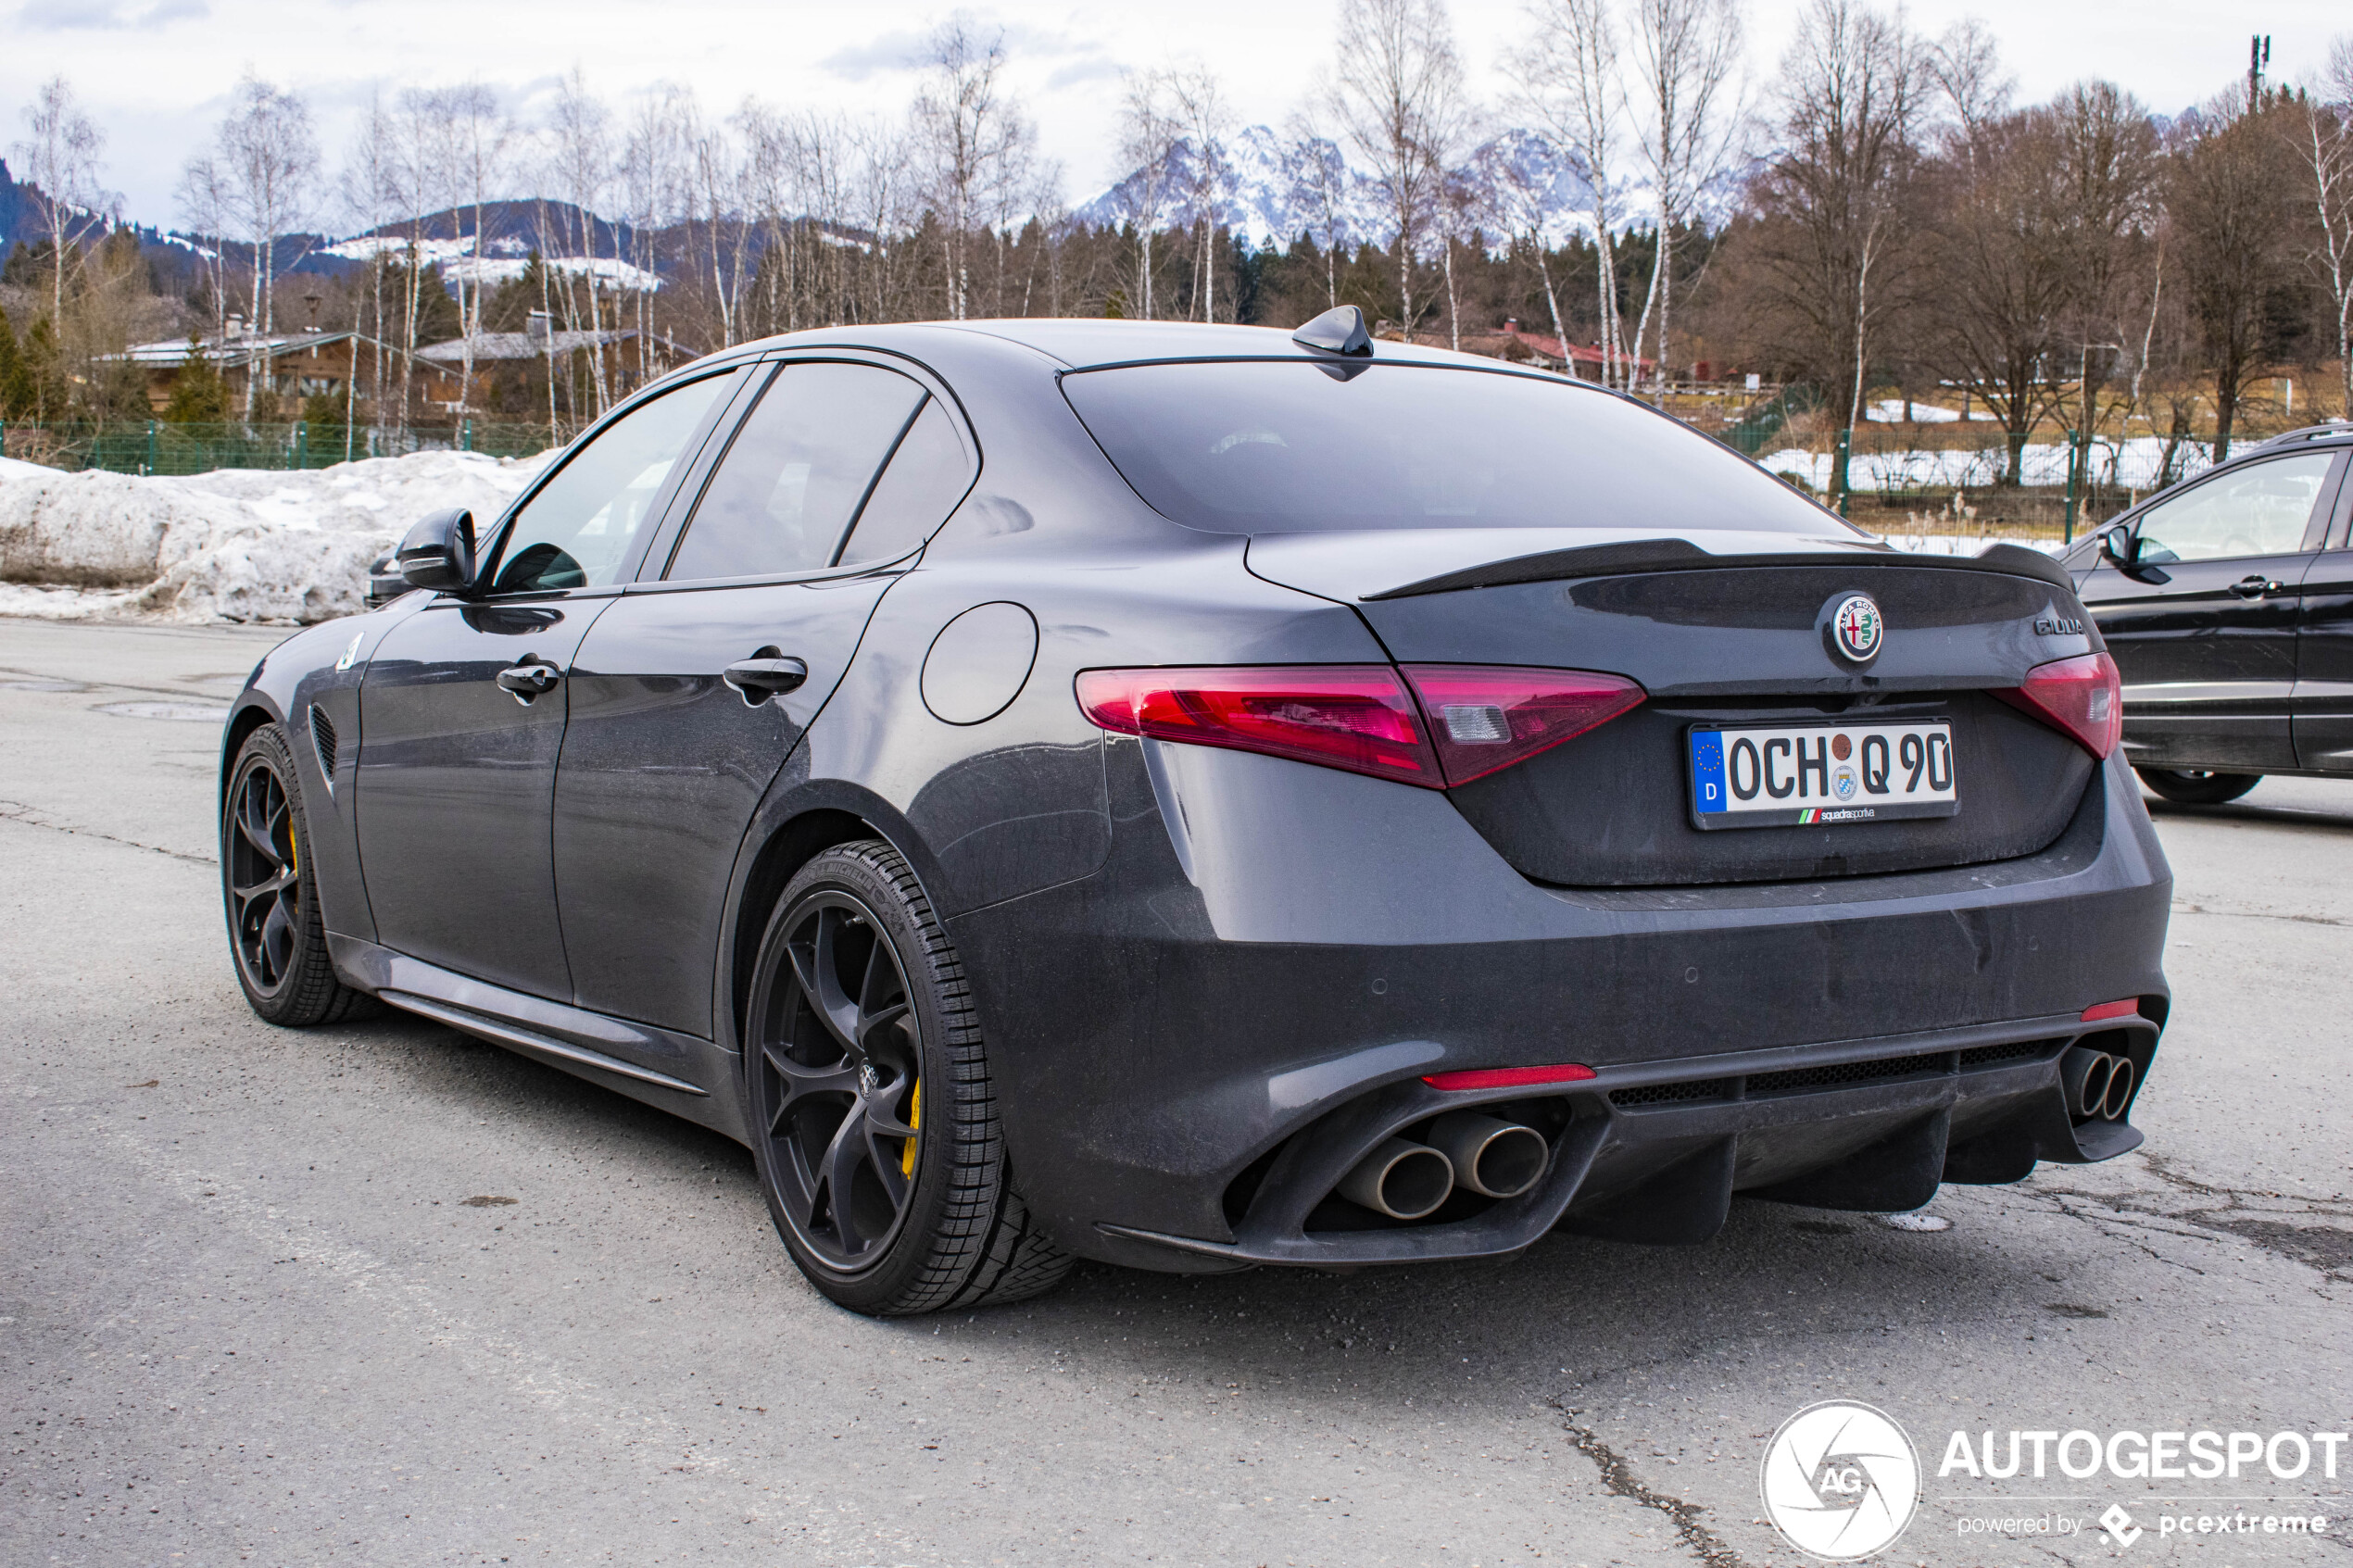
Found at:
(250, 715)
(796, 825)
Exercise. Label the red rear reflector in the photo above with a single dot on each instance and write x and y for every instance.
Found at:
(2080, 696)
(2128, 1008)
(1352, 716)
(1508, 1077)
(1485, 718)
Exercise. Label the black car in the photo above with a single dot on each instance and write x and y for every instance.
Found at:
(1198, 797)
(2227, 602)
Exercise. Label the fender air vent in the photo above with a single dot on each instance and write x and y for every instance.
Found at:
(322, 740)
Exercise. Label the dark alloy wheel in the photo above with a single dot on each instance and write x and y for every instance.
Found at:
(275, 933)
(875, 1126)
(2197, 786)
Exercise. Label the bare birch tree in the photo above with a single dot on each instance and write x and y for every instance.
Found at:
(270, 155)
(973, 142)
(580, 166)
(1836, 199)
(60, 157)
(657, 174)
(1518, 199)
(264, 161)
(714, 202)
(203, 197)
(1200, 103)
(1566, 80)
(1320, 190)
(474, 138)
(1686, 52)
(1396, 97)
(2105, 178)
(1147, 136)
(370, 190)
(2323, 129)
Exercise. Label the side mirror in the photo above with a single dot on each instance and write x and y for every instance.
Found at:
(439, 552)
(2120, 547)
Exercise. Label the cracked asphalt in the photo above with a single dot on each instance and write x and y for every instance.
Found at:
(235, 1329)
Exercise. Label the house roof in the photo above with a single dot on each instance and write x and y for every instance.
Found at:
(490, 347)
(232, 349)
(1550, 347)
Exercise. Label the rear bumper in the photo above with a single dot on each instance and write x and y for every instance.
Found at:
(1655, 1155)
(1194, 1043)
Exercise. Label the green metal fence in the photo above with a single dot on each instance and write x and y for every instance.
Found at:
(159, 446)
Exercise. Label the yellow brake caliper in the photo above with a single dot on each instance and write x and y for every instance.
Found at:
(915, 1119)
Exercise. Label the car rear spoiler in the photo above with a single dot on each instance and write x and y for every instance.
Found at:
(1629, 557)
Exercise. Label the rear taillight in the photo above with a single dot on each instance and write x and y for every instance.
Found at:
(1351, 716)
(1484, 718)
(2080, 696)
(1360, 717)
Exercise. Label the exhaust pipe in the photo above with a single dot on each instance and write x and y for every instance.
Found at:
(2120, 1090)
(1493, 1158)
(1404, 1180)
(2084, 1078)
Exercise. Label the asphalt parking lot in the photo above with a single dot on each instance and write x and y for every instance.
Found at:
(237, 1329)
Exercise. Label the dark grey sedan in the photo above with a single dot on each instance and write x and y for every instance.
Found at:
(1199, 798)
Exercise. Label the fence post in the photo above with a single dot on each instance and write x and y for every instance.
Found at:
(1841, 453)
(151, 446)
(468, 444)
(2074, 481)
(302, 443)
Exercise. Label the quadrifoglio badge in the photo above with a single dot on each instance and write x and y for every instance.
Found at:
(1842, 1481)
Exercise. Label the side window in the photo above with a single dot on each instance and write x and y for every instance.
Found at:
(581, 528)
(928, 476)
(797, 471)
(2262, 509)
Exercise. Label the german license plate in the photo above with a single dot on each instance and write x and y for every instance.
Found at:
(1798, 775)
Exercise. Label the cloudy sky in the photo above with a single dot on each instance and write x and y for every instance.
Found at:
(156, 73)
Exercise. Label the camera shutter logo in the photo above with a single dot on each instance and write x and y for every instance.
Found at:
(1858, 627)
(1841, 1480)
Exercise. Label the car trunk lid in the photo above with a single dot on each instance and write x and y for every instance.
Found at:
(1726, 629)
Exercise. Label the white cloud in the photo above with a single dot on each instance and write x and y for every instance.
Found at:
(154, 73)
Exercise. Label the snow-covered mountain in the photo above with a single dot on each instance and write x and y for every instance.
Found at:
(1270, 189)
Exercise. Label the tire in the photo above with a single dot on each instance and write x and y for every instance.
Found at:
(861, 1040)
(2197, 786)
(270, 892)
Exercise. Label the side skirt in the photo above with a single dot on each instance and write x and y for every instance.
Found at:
(680, 1073)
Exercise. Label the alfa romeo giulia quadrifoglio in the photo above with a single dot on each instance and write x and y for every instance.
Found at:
(1199, 798)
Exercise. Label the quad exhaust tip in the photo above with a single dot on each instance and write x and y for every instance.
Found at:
(1411, 1181)
(1493, 1158)
(1404, 1180)
(2096, 1085)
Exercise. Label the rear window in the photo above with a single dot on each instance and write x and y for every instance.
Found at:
(1299, 448)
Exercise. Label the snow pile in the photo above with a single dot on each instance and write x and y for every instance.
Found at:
(1895, 410)
(237, 544)
(1964, 544)
(2132, 463)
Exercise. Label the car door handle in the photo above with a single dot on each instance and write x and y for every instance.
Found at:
(762, 678)
(2255, 586)
(527, 680)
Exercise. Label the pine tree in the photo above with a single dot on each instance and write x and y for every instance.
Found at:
(45, 371)
(199, 393)
(16, 383)
(323, 412)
